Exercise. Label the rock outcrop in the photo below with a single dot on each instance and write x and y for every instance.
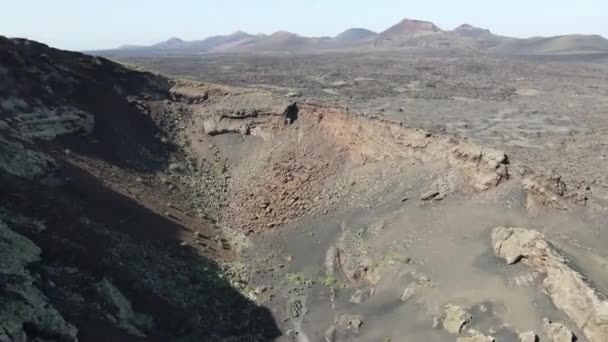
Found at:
(544, 191)
(558, 332)
(475, 336)
(485, 167)
(528, 336)
(568, 289)
(20, 161)
(455, 319)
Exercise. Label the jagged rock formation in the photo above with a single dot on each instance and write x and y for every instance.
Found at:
(558, 332)
(568, 289)
(455, 319)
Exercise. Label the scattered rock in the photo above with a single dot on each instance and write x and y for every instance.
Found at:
(475, 336)
(293, 94)
(350, 322)
(528, 336)
(361, 295)
(296, 308)
(408, 293)
(345, 327)
(455, 319)
(440, 196)
(332, 259)
(261, 289)
(429, 195)
(543, 191)
(436, 322)
(558, 332)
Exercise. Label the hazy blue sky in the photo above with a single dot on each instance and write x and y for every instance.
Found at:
(92, 24)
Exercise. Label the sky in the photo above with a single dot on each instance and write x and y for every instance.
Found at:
(102, 24)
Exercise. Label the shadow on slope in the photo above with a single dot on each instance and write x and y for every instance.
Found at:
(93, 234)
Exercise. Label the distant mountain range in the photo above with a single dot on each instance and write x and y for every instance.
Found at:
(405, 34)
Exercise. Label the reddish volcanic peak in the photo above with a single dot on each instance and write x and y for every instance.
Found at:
(409, 26)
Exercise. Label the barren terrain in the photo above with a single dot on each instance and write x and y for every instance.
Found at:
(394, 196)
(544, 111)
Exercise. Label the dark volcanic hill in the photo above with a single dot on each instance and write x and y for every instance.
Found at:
(354, 35)
(569, 44)
(171, 43)
(221, 43)
(281, 41)
(351, 38)
(94, 227)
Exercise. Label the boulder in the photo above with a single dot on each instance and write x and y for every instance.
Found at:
(528, 336)
(344, 327)
(455, 319)
(475, 336)
(408, 293)
(512, 244)
(361, 295)
(485, 167)
(557, 332)
(429, 195)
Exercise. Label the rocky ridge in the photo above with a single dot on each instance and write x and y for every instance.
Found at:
(568, 289)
